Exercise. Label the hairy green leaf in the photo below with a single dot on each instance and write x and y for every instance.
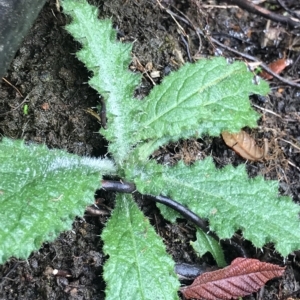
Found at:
(212, 93)
(108, 60)
(139, 267)
(228, 198)
(209, 97)
(41, 191)
(204, 243)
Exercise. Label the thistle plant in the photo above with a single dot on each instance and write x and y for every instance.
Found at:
(41, 190)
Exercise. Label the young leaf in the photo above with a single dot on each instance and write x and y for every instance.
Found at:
(204, 243)
(212, 93)
(138, 267)
(243, 277)
(209, 97)
(109, 61)
(228, 198)
(41, 191)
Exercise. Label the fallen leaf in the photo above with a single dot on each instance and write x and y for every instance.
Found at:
(45, 106)
(243, 277)
(276, 66)
(243, 144)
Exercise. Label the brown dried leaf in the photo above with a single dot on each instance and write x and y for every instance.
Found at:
(243, 277)
(243, 144)
(276, 66)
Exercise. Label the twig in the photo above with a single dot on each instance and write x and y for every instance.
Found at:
(293, 165)
(176, 15)
(255, 9)
(142, 69)
(15, 108)
(267, 110)
(4, 79)
(247, 56)
(263, 65)
(292, 13)
(173, 17)
(218, 6)
(183, 33)
(5, 277)
(187, 47)
(184, 19)
(293, 145)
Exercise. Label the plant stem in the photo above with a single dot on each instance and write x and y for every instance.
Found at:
(125, 187)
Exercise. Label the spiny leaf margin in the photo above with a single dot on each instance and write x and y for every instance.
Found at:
(228, 198)
(206, 97)
(41, 192)
(108, 59)
(213, 93)
(138, 267)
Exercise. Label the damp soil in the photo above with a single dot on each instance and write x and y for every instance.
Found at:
(45, 99)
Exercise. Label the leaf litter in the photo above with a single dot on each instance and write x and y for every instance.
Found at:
(243, 277)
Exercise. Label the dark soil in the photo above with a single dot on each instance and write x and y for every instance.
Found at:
(51, 82)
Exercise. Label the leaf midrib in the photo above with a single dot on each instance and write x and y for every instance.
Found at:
(199, 91)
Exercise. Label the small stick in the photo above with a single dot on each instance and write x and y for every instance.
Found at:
(184, 19)
(187, 47)
(247, 56)
(15, 108)
(13, 86)
(293, 145)
(267, 110)
(255, 9)
(292, 13)
(263, 65)
(293, 165)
